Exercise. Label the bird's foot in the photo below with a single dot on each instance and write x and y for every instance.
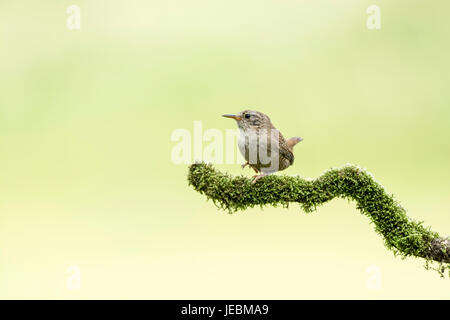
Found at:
(258, 176)
(244, 165)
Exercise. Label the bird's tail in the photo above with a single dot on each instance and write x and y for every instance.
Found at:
(291, 142)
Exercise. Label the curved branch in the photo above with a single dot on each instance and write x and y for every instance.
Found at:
(401, 234)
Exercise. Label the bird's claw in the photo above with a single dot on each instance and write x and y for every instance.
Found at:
(257, 177)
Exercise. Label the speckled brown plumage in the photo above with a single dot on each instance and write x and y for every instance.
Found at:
(262, 145)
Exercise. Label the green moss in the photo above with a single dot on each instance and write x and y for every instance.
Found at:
(402, 235)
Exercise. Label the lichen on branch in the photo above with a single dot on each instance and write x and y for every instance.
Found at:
(403, 235)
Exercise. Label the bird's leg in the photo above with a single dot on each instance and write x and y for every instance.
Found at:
(254, 168)
(259, 176)
(248, 164)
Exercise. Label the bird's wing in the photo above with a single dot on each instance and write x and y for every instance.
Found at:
(283, 148)
(286, 153)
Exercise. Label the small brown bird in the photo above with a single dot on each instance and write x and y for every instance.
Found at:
(261, 144)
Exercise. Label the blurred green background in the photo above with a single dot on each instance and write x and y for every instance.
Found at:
(86, 116)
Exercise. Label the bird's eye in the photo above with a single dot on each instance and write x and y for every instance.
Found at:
(247, 116)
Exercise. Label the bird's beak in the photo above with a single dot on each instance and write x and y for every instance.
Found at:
(232, 116)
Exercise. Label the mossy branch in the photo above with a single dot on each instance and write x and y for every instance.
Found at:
(402, 235)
